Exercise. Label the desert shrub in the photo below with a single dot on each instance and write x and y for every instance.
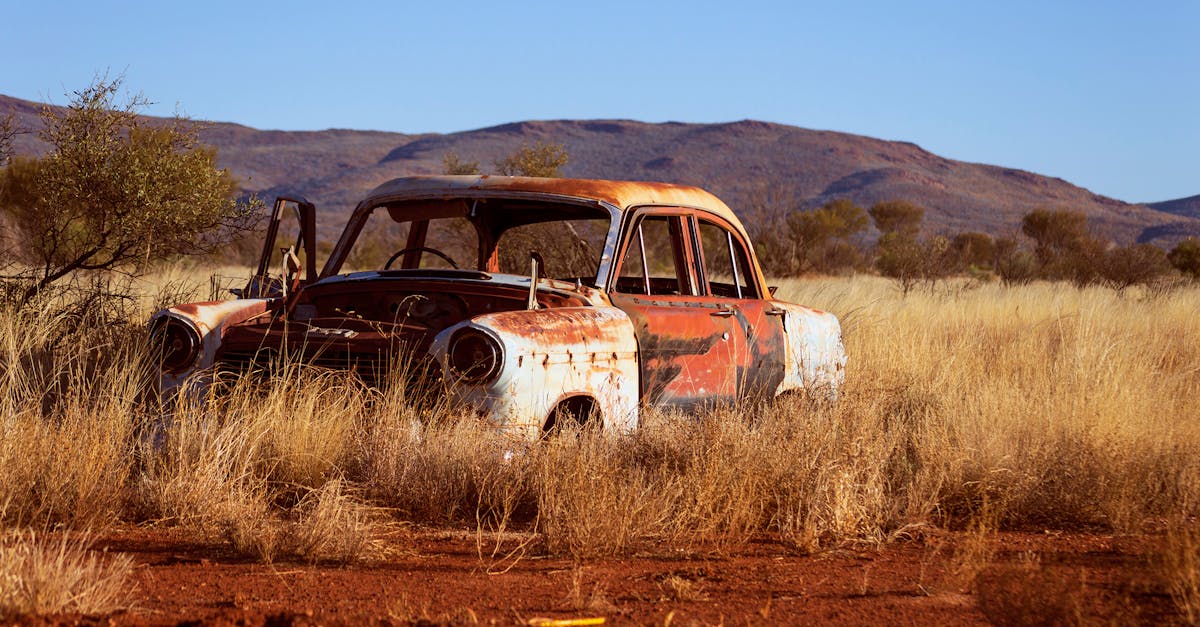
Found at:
(441, 466)
(261, 466)
(973, 249)
(1054, 230)
(819, 239)
(1014, 266)
(1027, 403)
(1138, 264)
(451, 164)
(897, 216)
(908, 261)
(540, 159)
(71, 390)
(593, 500)
(1185, 257)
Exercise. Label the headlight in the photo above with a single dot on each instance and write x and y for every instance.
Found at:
(177, 345)
(474, 356)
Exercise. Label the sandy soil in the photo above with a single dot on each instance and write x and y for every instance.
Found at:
(439, 577)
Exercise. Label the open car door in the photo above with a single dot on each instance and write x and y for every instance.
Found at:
(288, 261)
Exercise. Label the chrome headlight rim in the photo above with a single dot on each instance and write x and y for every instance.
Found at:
(474, 357)
(176, 345)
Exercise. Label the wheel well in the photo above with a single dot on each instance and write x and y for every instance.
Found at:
(583, 410)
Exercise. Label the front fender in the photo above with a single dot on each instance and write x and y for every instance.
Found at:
(550, 355)
(208, 320)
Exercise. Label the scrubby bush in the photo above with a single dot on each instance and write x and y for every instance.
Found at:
(1185, 257)
(1139, 264)
(897, 216)
(973, 249)
(541, 159)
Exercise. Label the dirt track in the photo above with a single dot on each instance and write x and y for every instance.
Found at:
(438, 577)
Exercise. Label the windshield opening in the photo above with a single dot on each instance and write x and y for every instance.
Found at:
(490, 235)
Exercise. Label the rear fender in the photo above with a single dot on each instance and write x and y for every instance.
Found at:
(815, 358)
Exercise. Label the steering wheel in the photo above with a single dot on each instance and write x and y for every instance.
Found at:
(396, 255)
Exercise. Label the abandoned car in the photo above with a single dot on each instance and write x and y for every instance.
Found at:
(526, 298)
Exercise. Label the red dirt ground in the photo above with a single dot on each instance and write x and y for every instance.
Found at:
(438, 577)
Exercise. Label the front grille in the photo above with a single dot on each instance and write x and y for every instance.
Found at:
(374, 368)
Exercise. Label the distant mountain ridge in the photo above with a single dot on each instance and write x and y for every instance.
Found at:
(742, 162)
(1189, 206)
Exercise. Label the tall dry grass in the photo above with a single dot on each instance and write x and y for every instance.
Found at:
(1046, 405)
(1063, 406)
(44, 576)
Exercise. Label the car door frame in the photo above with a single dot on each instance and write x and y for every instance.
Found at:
(261, 284)
(686, 342)
(762, 364)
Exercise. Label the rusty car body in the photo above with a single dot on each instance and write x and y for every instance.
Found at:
(525, 297)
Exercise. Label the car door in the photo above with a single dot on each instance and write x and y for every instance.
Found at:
(294, 263)
(730, 276)
(685, 341)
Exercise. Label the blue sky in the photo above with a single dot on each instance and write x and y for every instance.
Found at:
(1103, 94)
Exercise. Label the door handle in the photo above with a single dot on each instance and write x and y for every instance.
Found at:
(776, 311)
(724, 313)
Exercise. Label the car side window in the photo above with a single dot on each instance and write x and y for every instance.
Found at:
(726, 263)
(654, 259)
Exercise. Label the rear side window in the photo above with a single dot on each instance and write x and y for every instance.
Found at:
(726, 263)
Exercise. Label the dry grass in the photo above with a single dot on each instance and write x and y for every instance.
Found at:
(1040, 406)
(43, 576)
(1180, 566)
(1062, 406)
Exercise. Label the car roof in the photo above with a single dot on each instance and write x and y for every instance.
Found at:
(621, 194)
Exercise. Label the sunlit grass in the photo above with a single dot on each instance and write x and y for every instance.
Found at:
(1042, 406)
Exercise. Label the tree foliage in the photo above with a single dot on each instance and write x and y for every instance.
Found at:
(900, 254)
(1185, 257)
(1013, 265)
(1054, 231)
(116, 192)
(538, 160)
(821, 237)
(1063, 246)
(897, 216)
(910, 261)
(973, 249)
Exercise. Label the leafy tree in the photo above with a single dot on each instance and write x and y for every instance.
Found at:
(974, 249)
(537, 160)
(116, 192)
(897, 216)
(909, 261)
(1063, 246)
(1054, 230)
(901, 255)
(821, 237)
(452, 165)
(1186, 257)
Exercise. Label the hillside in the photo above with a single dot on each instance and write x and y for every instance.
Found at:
(743, 162)
(1189, 207)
